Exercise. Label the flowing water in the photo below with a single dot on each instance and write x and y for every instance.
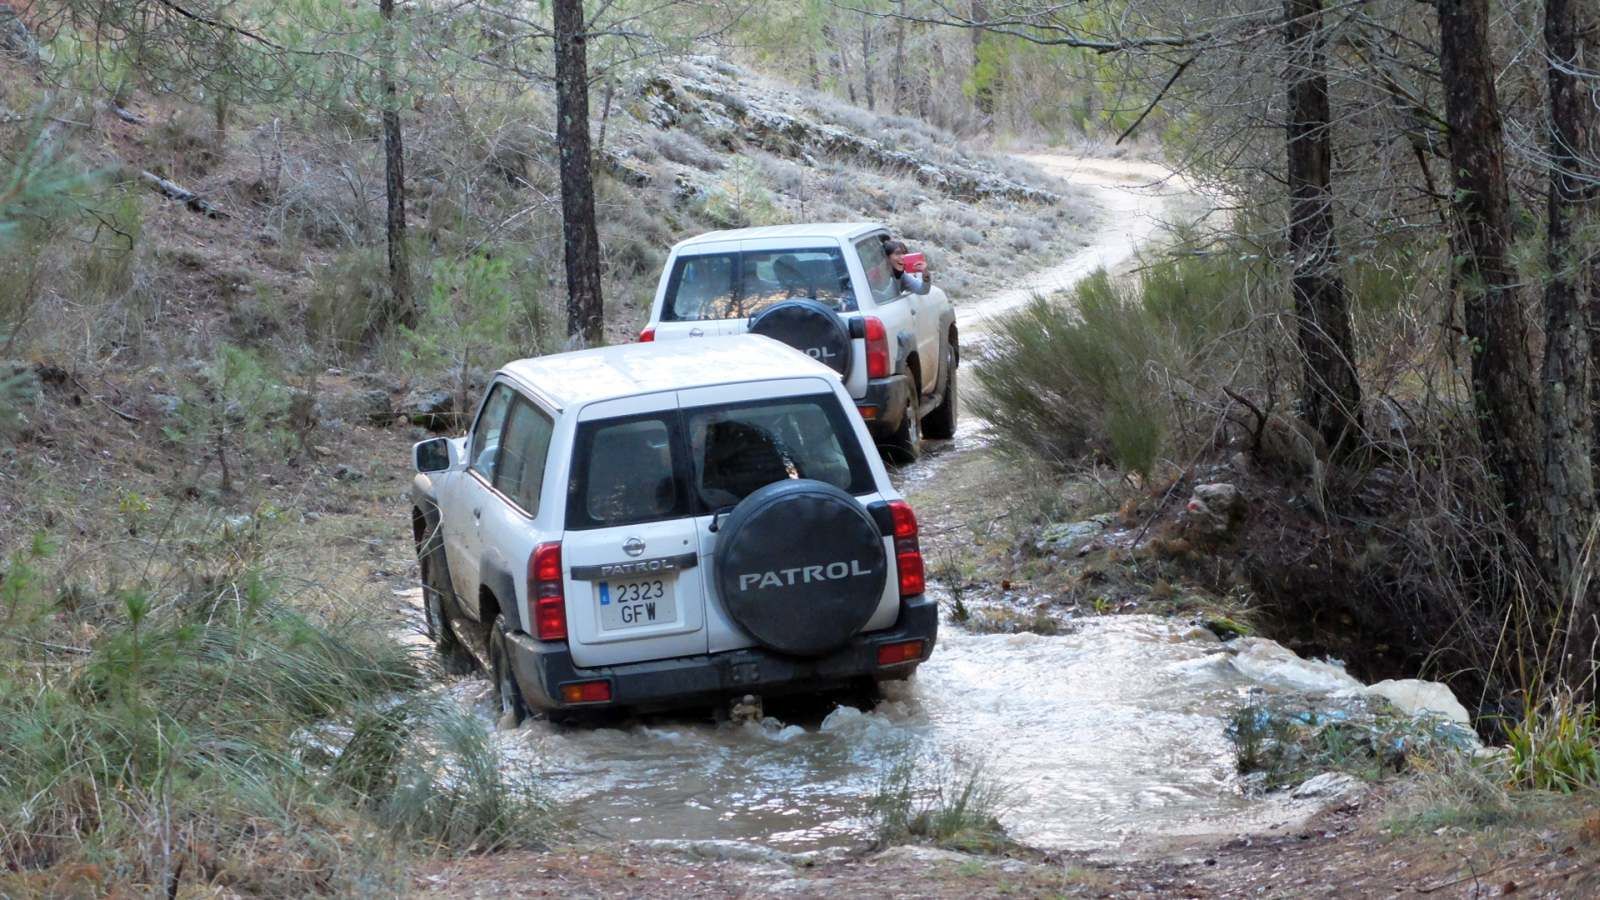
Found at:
(1116, 728)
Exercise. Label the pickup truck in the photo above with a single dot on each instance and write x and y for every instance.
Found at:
(827, 290)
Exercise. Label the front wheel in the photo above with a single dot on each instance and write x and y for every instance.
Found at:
(941, 423)
(435, 585)
(508, 695)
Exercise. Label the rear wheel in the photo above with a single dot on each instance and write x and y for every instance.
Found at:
(905, 444)
(508, 695)
(435, 588)
(941, 423)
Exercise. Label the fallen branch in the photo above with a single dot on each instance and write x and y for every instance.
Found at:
(125, 114)
(182, 194)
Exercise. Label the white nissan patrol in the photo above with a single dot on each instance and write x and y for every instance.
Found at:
(828, 291)
(668, 524)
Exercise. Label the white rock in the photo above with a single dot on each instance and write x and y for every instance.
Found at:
(1327, 786)
(1415, 697)
(913, 853)
(1274, 664)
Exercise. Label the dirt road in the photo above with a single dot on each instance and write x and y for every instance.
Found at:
(1134, 200)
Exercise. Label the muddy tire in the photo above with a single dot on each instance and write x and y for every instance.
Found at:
(454, 657)
(941, 423)
(905, 444)
(513, 708)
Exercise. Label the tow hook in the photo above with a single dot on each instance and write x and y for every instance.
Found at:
(745, 709)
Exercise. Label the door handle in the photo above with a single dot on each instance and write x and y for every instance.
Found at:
(697, 332)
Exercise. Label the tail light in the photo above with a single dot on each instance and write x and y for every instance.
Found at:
(647, 335)
(547, 601)
(586, 692)
(907, 551)
(902, 652)
(877, 348)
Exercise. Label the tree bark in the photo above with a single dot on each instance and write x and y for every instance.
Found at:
(402, 305)
(1331, 390)
(585, 309)
(842, 61)
(868, 91)
(1484, 279)
(983, 89)
(899, 74)
(1569, 497)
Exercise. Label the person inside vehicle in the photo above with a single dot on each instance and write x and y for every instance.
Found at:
(917, 281)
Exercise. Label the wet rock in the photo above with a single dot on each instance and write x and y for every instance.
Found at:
(723, 851)
(1070, 537)
(912, 853)
(1214, 510)
(1328, 786)
(432, 409)
(1274, 664)
(1415, 697)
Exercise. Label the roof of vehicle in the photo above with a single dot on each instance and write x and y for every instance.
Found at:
(584, 376)
(834, 230)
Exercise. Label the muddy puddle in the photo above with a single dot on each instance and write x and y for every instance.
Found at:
(1115, 729)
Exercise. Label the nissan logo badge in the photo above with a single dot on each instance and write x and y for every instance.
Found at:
(633, 546)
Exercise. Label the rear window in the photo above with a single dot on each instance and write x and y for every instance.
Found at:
(706, 458)
(737, 285)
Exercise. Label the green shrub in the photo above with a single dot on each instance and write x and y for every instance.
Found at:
(1107, 369)
(948, 804)
(1556, 746)
(741, 197)
(480, 312)
(221, 736)
(349, 300)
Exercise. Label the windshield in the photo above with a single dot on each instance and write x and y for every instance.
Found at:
(706, 458)
(737, 285)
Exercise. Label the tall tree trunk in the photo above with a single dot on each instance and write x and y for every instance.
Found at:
(899, 74)
(841, 60)
(813, 72)
(402, 306)
(1332, 391)
(1484, 279)
(1568, 473)
(983, 84)
(585, 311)
(867, 91)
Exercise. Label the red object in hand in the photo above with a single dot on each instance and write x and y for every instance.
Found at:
(914, 262)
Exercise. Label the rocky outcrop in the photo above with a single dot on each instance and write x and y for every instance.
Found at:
(683, 101)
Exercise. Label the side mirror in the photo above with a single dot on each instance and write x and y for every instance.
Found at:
(435, 455)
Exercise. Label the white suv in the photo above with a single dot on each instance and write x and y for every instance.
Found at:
(828, 291)
(668, 524)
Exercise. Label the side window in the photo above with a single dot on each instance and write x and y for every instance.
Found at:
(880, 278)
(487, 431)
(523, 448)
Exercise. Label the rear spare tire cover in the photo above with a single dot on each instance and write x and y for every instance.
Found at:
(801, 566)
(811, 328)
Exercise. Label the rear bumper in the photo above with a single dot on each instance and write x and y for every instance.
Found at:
(883, 406)
(541, 668)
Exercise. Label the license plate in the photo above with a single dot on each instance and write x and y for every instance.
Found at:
(637, 603)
